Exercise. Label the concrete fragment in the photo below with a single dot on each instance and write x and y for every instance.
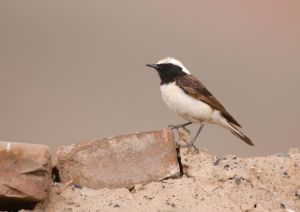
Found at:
(25, 174)
(120, 161)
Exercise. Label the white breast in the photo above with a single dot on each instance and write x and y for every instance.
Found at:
(184, 105)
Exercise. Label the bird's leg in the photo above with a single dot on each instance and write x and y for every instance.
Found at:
(198, 132)
(179, 125)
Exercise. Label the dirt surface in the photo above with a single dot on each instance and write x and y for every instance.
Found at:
(229, 183)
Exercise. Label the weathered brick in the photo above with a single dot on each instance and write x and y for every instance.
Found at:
(25, 173)
(120, 161)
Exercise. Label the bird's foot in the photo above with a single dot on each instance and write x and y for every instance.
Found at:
(176, 127)
(172, 127)
(190, 147)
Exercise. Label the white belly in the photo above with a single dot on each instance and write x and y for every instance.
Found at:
(187, 107)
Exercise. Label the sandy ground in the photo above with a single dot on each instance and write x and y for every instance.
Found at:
(230, 183)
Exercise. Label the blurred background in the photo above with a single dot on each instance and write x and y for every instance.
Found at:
(75, 70)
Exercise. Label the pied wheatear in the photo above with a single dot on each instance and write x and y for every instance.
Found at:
(187, 96)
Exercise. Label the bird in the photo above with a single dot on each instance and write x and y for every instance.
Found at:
(185, 95)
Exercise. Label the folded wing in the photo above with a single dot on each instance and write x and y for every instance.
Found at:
(193, 87)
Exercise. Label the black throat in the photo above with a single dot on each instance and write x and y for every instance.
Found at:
(168, 72)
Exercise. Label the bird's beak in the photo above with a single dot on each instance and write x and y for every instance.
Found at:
(153, 66)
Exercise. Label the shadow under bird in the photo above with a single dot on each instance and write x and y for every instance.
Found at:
(188, 97)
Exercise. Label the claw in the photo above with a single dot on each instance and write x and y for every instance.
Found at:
(192, 146)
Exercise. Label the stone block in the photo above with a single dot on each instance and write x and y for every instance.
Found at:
(120, 161)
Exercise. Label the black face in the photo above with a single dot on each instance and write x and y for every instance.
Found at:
(167, 72)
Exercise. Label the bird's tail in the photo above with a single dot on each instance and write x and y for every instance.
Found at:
(239, 134)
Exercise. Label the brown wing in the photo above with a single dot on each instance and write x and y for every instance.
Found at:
(193, 87)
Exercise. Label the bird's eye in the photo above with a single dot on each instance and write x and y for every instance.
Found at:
(166, 66)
